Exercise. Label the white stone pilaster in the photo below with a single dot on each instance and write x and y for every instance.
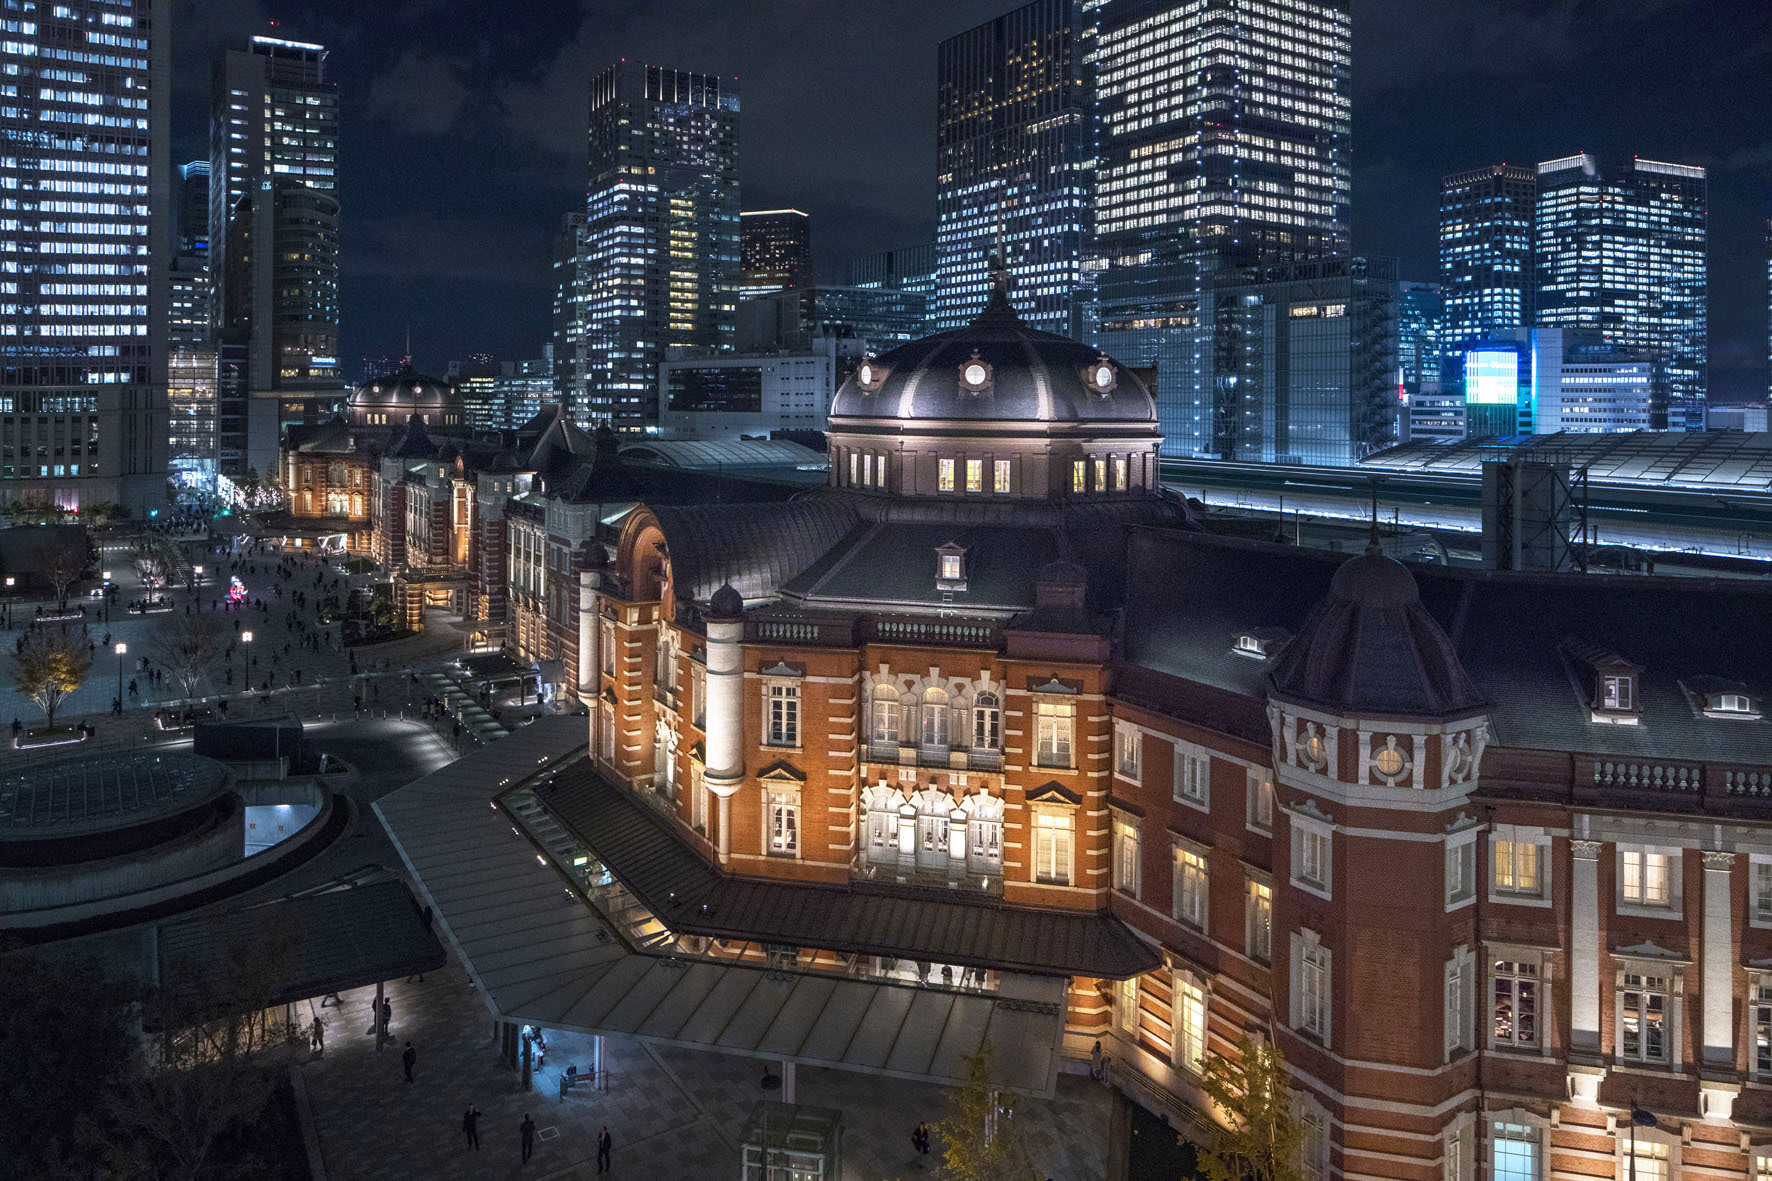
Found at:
(1584, 947)
(587, 636)
(1717, 979)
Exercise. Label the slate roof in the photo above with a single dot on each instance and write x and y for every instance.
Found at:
(756, 547)
(894, 564)
(936, 926)
(1191, 594)
(325, 438)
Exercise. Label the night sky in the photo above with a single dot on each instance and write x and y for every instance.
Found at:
(463, 123)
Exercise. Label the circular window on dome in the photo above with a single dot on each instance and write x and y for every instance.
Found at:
(1314, 750)
(975, 373)
(870, 375)
(1389, 763)
(1101, 377)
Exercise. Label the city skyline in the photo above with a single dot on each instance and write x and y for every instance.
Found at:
(466, 265)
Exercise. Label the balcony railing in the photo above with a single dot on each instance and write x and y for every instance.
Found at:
(937, 757)
(948, 630)
(1675, 785)
(1677, 777)
(952, 875)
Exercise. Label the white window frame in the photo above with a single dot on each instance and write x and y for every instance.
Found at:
(886, 721)
(1313, 1140)
(1618, 692)
(1190, 897)
(1192, 783)
(1517, 835)
(1759, 890)
(1188, 1040)
(1313, 840)
(1461, 869)
(1510, 1131)
(1759, 1031)
(698, 793)
(698, 689)
(1638, 868)
(987, 722)
(783, 821)
(1128, 1006)
(1636, 982)
(975, 475)
(1458, 1014)
(944, 475)
(1657, 1155)
(1518, 967)
(781, 695)
(1128, 751)
(1054, 828)
(1000, 477)
(1460, 1145)
(1258, 919)
(1055, 732)
(1313, 984)
(932, 718)
(1128, 859)
(1259, 801)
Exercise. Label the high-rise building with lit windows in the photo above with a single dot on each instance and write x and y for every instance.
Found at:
(85, 168)
(1014, 165)
(1621, 252)
(658, 256)
(273, 228)
(191, 367)
(1486, 251)
(1223, 140)
(775, 251)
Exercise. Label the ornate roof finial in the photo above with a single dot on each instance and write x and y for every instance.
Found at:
(1000, 280)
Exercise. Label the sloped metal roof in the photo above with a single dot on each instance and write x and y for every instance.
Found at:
(1709, 460)
(755, 547)
(724, 453)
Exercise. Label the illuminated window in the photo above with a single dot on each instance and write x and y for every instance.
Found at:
(1513, 1153)
(1260, 800)
(975, 475)
(1052, 847)
(1101, 473)
(1643, 1018)
(1258, 921)
(782, 720)
(1190, 1023)
(1000, 475)
(1646, 876)
(1119, 473)
(1127, 864)
(1079, 476)
(945, 478)
(1053, 725)
(782, 809)
(1515, 988)
(1188, 904)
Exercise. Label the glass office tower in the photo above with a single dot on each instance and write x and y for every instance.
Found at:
(1014, 166)
(774, 250)
(85, 168)
(1486, 251)
(658, 256)
(1223, 141)
(1623, 254)
(273, 229)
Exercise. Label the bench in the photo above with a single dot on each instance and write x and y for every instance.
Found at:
(570, 1078)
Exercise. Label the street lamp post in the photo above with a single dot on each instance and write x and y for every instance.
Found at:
(1638, 1119)
(245, 665)
(105, 594)
(120, 648)
(10, 582)
(770, 1083)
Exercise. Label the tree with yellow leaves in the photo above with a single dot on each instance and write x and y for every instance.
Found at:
(50, 665)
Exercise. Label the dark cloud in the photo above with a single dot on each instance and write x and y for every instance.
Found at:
(464, 128)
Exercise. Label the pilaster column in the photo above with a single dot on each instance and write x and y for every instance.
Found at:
(587, 636)
(1584, 947)
(1717, 980)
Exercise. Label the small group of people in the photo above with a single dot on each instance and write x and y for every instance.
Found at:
(470, 1126)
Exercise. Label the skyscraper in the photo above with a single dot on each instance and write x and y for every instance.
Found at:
(568, 309)
(1014, 165)
(658, 256)
(1223, 140)
(1486, 251)
(84, 162)
(1623, 254)
(273, 227)
(1420, 313)
(191, 360)
(775, 251)
(188, 320)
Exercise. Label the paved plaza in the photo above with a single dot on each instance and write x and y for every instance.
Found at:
(672, 1114)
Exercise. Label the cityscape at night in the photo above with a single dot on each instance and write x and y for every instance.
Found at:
(1095, 590)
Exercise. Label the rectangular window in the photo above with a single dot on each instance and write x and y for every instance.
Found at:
(1258, 922)
(1193, 774)
(1513, 1150)
(1452, 1021)
(783, 810)
(880, 471)
(944, 481)
(1645, 876)
(698, 791)
(1191, 883)
(698, 688)
(975, 475)
(1642, 1018)
(1516, 1004)
(867, 468)
(1313, 1146)
(1079, 476)
(1000, 475)
(1119, 473)
(1260, 800)
(1053, 724)
(1128, 747)
(1310, 856)
(1760, 885)
(1052, 848)
(1126, 1007)
(953, 567)
(1126, 857)
(1101, 473)
(1190, 1024)
(1516, 867)
(1461, 871)
(1615, 693)
(1760, 1006)
(606, 641)
(1313, 996)
(854, 465)
(782, 721)
(1647, 1162)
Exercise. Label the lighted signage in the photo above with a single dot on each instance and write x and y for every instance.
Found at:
(1492, 377)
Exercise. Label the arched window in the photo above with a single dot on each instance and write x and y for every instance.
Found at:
(935, 717)
(984, 833)
(885, 714)
(987, 723)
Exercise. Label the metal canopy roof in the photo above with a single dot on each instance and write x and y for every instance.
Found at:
(541, 955)
(1713, 461)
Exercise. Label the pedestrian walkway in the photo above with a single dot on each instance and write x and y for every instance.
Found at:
(672, 1113)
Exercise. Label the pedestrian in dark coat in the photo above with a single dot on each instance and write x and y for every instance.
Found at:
(409, 1059)
(603, 1146)
(470, 1123)
(527, 1131)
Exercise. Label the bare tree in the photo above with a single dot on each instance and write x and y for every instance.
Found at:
(51, 664)
(65, 559)
(159, 560)
(189, 644)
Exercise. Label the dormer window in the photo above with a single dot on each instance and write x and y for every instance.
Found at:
(1249, 645)
(1615, 684)
(1732, 703)
(950, 567)
(1260, 643)
(1618, 692)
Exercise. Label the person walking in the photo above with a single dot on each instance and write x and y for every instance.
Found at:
(527, 1131)
(387, 1015)
(923, 1137)
(409, 1059)
(603, 1146)
(1095, 1061)
(470, 1123)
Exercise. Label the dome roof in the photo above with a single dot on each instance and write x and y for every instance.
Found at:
(1370, 647)
(995, 369)
(403, 390)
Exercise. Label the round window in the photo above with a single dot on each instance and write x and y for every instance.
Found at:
(975, 373)
(865, 374)
(1389, 762)
(1104, 377)
(1315, 752)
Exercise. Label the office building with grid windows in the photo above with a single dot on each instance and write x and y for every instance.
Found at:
(1223, 140)
(1486, 251)
(1622, 252)
(1014, 164)
(83, 309)
(658, 255)
(775, 251)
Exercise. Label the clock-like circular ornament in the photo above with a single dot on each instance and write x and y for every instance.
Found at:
(975, 374)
